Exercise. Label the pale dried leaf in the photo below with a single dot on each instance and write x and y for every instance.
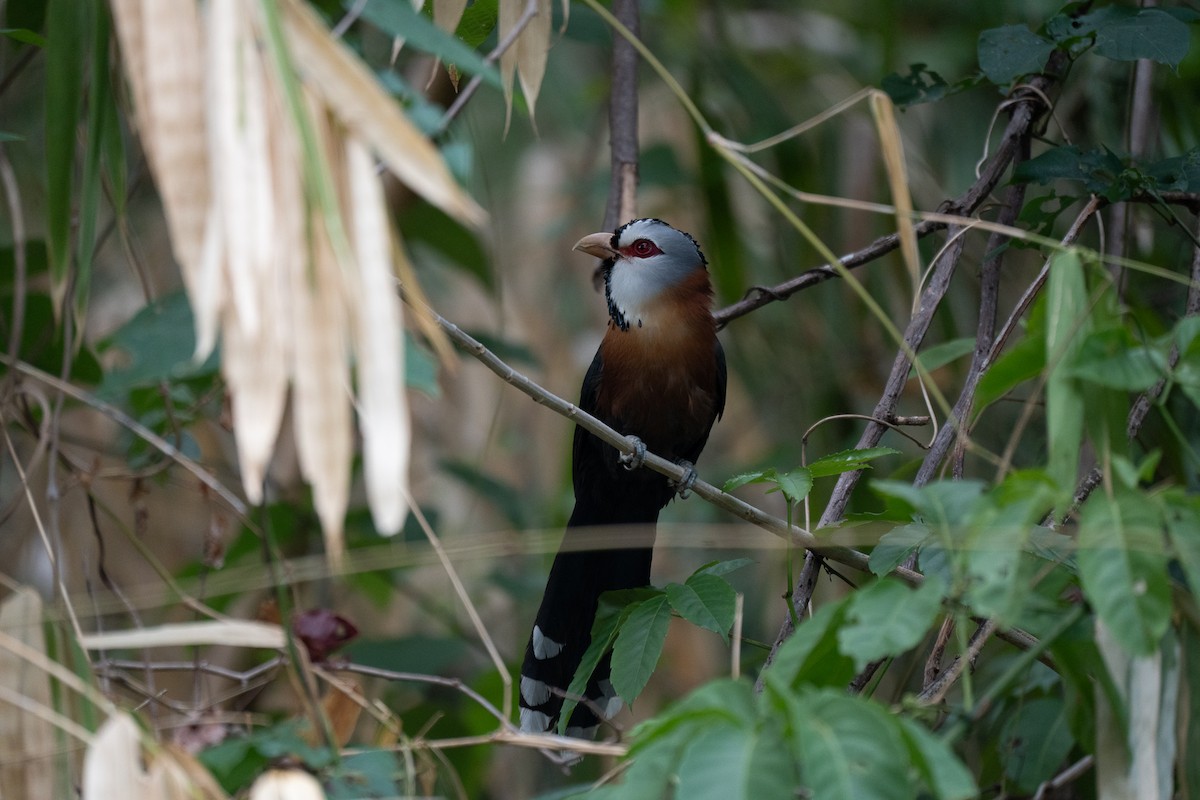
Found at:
(240, 156)
(366, 110)
(128, 24)
(448, 13)
(257, 367)
(509, 14)
(379, 347)
(533, 48)
(234, 633)
(893, 158)
(286, 784)
(173, 71)
(321, 379)
(112, 765)
(179, 776)
(26, 739)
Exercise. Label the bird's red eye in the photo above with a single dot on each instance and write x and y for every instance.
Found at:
(644, 248)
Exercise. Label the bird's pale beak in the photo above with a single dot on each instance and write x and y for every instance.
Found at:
(596, 244)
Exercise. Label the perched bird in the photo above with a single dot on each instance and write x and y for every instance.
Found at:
(659, 375)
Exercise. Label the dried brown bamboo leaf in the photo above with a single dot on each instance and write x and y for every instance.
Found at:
(509, 14)
(379, 347)
(321, 382)
(177, 775)
(26, 739)
(232, 632)
(893, 159)
(286, 784)
(448, 13)
(257, 365)
(533, 48)
(188, 773)
(240, 156)
(112, 764)
(422, 315)
(364, 108)
(173, 70)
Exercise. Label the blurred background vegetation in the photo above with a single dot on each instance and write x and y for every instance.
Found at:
(490, 469)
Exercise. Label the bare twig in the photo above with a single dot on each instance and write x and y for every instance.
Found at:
(135, 427)
(936, 689)
(1026, 107)
(1068, 775)
(914, 335)
(622, 120)
(988, 297)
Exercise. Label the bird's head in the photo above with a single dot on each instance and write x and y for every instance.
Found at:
(643, 260)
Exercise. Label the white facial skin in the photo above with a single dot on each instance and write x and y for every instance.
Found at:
(636, 280)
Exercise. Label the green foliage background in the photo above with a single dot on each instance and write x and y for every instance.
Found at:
(1108, 594)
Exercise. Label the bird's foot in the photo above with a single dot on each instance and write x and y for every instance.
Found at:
(683, 486)
(635, 459)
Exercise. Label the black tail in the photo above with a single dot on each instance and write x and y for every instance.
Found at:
(562, 628)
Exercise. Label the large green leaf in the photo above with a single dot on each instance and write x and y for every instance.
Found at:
(887, 618)
(1035, 741)
(849, 748)
(1066, 308)
(638, 646)
(736, 763)
(1114, 359)
(1011, 51)
(811, 655)
(1022, 362)
(1123, 566)
(156, 345)
(1150, 33)
(705, 600)
(941, 770)
(847, 461)
(897, 545)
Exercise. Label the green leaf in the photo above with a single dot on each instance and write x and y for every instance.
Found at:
(705, 600)
(848, 748)
(1113, 358)
(398, 18)
(897, 545)
(1023, 362)
(811, 655)
(942, 771)
(723, 567)
(604, 630)
(25, 36)
(918, 86)
(477, 23)
(847, 461)
(66, 43)
(157, 345)
(638, 646)
(1034, 742)
(100, 105)
(736, 763)
(367, 773)
(1183, 531)
(1151, 33)
(1066, 310)
(942, 354)
(719, 702)
(795, 484)
(1009, 52)
(1123, 567)
(887, 618)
